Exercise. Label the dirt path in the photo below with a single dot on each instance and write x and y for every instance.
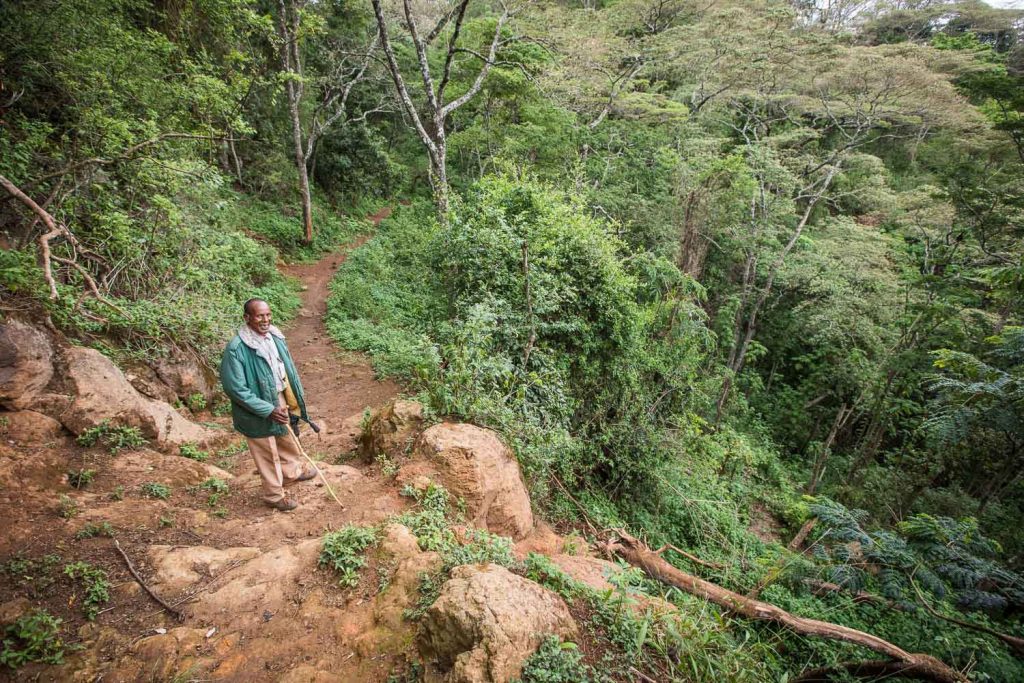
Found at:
(338, 386)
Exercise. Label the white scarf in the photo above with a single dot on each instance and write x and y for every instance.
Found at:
(266, 349)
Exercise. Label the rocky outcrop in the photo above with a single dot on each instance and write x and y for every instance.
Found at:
(488, 621)
(148, 383)
(476, 466)
(26, 364)
(101, 392)
(392, 430)
(176, 568)
(401, 550)
(185, 376)
(28, 426)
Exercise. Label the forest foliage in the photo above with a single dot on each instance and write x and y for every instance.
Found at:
(712, 268)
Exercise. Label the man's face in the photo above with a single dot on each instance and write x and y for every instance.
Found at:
(258, 317)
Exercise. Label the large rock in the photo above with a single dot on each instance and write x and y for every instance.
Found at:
(392, 430)
(30, 427)
(185, 376)
(477, 467)
(402, 551)
(488, 621)
(101, 392)
(148, 383)
(26, 364)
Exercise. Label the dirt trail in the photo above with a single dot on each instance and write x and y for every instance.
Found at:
(338, 386)
(256, 607)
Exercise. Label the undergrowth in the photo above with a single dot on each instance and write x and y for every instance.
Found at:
(93, 582)
(344, 552)
(33, 637)
(115, 437)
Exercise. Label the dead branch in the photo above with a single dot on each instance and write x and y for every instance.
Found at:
(873, 670)
(636, 553)
(691, 558)
(801, 536)
(1016, 644)
(618, 82)
(178, 615)
(55, 230)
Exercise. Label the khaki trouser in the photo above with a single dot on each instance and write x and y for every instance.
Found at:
(278, 460)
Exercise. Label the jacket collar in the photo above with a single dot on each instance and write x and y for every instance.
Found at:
(251, 338)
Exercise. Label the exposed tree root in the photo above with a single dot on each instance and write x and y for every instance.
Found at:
(131, 568)
(922, 666)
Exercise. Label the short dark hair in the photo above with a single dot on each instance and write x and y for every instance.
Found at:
(248, 304)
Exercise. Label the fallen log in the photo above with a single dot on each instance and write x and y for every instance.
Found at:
(873, 670)
(801, 535)
(924, 667)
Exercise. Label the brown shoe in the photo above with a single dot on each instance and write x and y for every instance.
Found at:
(284, 505)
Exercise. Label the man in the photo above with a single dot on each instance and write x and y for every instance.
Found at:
(260, 378)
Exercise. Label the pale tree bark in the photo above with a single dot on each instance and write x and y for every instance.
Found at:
(750, 308)
(430, 123)
(350, 69)
(288, 18)
(921, 666)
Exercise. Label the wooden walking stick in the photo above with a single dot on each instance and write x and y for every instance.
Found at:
(298, 444)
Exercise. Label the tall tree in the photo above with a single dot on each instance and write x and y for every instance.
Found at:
(431, 123)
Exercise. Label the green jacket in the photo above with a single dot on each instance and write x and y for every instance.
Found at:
(249, 383)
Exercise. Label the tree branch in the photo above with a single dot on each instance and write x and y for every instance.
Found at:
(637, 554)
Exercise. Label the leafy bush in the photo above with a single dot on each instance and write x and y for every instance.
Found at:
(115, 437)
(343, 551)
(945, 558)
(193, 452)
(152, 489)
(67, 507)
(557, 662)
(93, 581)
(81, 478)
(218, 488)
(92, 529)
(34, 637)
(527, 315)
(196, 402)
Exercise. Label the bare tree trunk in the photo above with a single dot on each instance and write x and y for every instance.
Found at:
(287, 26)
(738, 354)
(826, 449)
(430, 125)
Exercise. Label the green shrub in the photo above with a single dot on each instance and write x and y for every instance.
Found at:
(152, 489)
(218, 489)
(93, 581)
(193, 452)
(196, 402)
(34, 637)
(114, 437)
(557, 662)
(81, 478)
(528, 315)
(67, 507)
(344, 552)
(92, 530)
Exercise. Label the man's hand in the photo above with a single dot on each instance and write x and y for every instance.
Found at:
(280, 415)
